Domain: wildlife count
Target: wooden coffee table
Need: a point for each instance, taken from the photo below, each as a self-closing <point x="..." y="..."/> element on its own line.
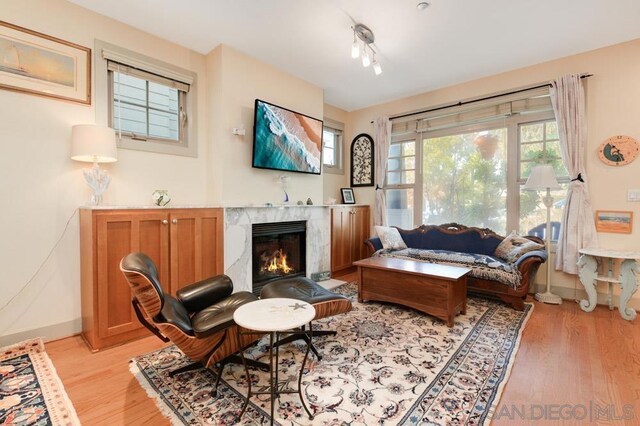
<point x="438" y="290"/>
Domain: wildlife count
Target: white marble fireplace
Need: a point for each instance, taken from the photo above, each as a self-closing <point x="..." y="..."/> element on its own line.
<point x="237" y="238"/>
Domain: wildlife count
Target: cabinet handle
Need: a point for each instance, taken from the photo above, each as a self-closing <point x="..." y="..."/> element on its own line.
<point x="174" y="221"/>
<point x="165" y="222"/>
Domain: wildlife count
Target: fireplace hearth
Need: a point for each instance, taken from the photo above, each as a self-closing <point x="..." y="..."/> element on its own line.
<point x="278" y="251"/>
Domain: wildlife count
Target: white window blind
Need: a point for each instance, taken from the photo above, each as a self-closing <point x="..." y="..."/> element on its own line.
<point x="146" y="105"/>
<point x="151" y="104"/>
<point x="135" y="72"/>
<point x="332" y="132"/>
<point x="528" y="102"/>
<point x="151" y="67"/>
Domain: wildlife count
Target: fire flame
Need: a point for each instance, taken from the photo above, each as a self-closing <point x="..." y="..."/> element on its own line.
<point x="279" y="263"/>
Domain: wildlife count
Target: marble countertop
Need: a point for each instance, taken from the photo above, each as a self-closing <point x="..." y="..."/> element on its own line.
<point x="149" y="206"/>
<point x="615" y="254"/>
<point x="210" y="206"/>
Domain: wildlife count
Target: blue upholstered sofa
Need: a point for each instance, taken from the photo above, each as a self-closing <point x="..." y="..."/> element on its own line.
<point x="473" y="248"/>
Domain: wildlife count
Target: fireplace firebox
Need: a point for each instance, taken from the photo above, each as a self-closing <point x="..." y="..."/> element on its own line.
<point x="278" y="251"/>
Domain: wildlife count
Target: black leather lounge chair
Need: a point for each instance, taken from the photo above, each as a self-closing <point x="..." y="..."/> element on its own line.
<point x="199" y="320"/>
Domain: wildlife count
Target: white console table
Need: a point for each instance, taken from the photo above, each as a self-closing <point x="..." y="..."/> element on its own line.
<point x="629" y="269"/>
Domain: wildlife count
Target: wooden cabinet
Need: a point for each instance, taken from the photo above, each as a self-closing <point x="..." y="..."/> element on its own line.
<point x="349" y="228"/>
<point x="185" y="244"/>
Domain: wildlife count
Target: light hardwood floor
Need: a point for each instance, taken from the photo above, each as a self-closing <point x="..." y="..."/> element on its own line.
<point x="566" y="356"/>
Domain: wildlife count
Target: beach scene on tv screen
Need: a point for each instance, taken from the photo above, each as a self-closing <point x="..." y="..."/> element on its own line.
<point x="286" y="140"/>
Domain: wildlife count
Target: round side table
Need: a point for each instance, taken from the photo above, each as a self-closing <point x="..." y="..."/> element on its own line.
<point x="275" y="317"/>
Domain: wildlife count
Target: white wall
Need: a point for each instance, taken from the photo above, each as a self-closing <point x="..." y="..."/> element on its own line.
<point x="239" y="80"/>
<point x="333" y="182"/>
<point x="612" y="109"/>
<point x="41" y="187"/>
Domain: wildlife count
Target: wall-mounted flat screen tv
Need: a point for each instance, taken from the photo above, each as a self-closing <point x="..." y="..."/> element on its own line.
<point x="286" y="140"/>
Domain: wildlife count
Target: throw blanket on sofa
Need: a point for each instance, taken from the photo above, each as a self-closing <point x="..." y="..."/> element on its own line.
<point x="482" y="266"/>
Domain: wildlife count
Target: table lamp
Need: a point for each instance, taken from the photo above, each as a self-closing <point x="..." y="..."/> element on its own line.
<point x="94" y="144"/>
<point x="541" y="178"/>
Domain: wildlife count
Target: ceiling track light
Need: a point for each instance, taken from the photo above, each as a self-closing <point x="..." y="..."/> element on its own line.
<point x="355" y="47"/>
<point x="366" y="58"/>
<point x="376" y="66"/>
<point x="365" y="34"/>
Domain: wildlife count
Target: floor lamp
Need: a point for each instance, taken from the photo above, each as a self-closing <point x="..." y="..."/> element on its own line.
<point x="541" y="178"/>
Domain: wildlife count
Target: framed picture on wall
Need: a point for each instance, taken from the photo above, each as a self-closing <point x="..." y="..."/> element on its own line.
<point x="362" y="158"/>
<point x="39" y="64"/>
<point x="619" y="222"/>
<point x="347" y="196"/>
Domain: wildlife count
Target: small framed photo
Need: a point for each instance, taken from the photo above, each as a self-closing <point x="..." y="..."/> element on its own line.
<point x="619" y="222"/>
<point x="43" y="65"/>
<point x="347" y="196"/>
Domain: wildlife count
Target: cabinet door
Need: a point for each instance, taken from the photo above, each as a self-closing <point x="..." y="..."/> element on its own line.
<point x="360" y="232"/>
<point x="341" y="255"/>
<point x="117" y="235"/>
<point x="196" y="245"/>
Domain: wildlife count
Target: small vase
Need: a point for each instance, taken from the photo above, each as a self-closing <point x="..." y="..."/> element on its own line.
<point x="96" y="199"/>
<point x="160" y="197"/>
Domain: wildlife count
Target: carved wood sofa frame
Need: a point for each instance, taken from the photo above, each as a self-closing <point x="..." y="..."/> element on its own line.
<point x="527" y="265"/>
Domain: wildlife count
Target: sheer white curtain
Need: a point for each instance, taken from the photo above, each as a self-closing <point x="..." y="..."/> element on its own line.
<point x="577" y="228"/>
<point x="382" y="127"/>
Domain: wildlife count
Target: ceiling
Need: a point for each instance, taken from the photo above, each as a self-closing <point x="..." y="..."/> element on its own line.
<point x="450" y="42"/>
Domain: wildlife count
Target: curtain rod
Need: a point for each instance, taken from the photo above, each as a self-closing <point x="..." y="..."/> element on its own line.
<point x="486" y="98"/>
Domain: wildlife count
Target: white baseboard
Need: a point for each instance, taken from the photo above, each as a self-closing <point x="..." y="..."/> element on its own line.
<point x="50" y="332"/>
<point x="571" y="294"/>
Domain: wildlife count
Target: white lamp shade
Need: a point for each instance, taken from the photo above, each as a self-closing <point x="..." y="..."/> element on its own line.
<point x="377" y="68"/>
<point x="541" y="177"/>
<point x="355" y="49"/>
<point x="366" y="59"/>
<point x="93" y="144"/>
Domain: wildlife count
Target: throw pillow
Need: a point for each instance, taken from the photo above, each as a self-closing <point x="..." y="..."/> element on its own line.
<point x="514" y="246"/>
<point x="390" y="238"/>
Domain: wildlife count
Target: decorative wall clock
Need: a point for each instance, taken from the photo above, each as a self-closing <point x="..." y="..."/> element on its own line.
<point x="362" y="160"/>
<point x="618" y="150"/>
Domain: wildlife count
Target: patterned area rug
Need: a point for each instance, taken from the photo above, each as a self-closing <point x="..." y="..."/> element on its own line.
<point x="31" y="392"/>
<point x="387" y="365"/>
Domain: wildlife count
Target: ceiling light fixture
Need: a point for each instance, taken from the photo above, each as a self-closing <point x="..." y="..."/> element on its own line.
<point x="366" y="59"/>
<point x="376" y="66"/>
<point x="367" y="53"/>
<point x="355" y="47"/>
<point x="422" y="5"/>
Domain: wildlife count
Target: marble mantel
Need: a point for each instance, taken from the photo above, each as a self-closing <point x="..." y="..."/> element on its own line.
<point x="237" y="238"/>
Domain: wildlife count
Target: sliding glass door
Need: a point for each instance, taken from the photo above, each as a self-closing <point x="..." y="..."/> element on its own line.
<point x="401" y="179"/>
<point x="473" y="175"/>
<point x="464" y="179"/>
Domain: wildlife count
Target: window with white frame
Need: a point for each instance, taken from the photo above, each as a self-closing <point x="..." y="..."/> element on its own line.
<point x="468" y="166"/>
<point x="539" y="143"/>
<point x="151" y="104"/>
<point x="401" y="177"/>
<point x="147" y="107"/>
<point x="332" y="146"/>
